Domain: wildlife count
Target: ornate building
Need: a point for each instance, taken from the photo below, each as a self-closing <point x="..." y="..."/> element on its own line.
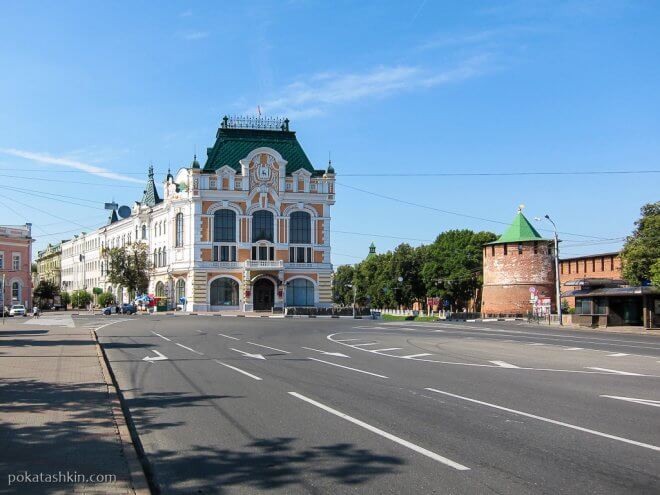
<point x="516" y="266"/>
<point x="49" y="264"/>
<point x="249" y="230"/>
<point x="15" y="257"/>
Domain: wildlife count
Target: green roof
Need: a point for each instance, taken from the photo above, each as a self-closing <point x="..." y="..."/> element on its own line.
<point x="519" y="231"/>
<point x="234" y="144"/>
<point x="150" y="197"/>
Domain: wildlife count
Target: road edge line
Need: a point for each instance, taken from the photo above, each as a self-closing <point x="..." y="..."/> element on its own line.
<point x="138" y="466"/>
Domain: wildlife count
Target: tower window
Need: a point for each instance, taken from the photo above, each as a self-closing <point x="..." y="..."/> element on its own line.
<point x="520" y="248"/>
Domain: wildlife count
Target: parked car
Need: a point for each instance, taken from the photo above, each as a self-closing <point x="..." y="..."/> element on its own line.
<point x="17" y="310"/>
<point x="111" y="310"/>
<point x="128" y="309"/>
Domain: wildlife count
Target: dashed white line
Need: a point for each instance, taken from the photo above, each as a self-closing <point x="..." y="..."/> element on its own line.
<point x="384" y="434"/>
<point x="347" y="367"/>
<point x="267" y="347"/>
<point x="573" y="348"/>
<point x="614" y="372"/>
<point x="618" y="354"/>
<point x="416" y="355"/>
<point x="548" y="420"/>
<point x="191" y="350"/>
<point x="228" y="336"/>
<point x="388" y="349"/>
<point x="254" y="377"/>
<point x="162" y="337"/>
<point x="535" y="343"/>
<point x="504" y="364"/>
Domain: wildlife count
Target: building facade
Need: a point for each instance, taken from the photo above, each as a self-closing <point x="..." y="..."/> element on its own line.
<point x="517" y="267"/>
<point x="15" y="258"/>
<point x="49" y="264"/>
<point x="572" y="271"/>
<point x="247" y="231"/>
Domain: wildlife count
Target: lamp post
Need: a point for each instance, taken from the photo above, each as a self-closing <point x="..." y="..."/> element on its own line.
<point x="354" y="287"/>
<point x="557" y="282"/>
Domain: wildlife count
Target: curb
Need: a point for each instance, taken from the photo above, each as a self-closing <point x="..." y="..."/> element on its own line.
<point x="128" y="437"/>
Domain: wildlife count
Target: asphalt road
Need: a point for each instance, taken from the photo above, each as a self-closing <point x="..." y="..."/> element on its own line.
<point x="244" y="405"/>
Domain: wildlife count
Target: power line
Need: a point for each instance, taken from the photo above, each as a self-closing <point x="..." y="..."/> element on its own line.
<point x="69" y="181"/>
<point x="46" y="195"/>
<point x="499" y="174"/>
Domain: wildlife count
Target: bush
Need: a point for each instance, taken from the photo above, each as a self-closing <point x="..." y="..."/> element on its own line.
<point x="106" y="299"/>
<point x="80" y="299"/>
<point x="65" y="299"/>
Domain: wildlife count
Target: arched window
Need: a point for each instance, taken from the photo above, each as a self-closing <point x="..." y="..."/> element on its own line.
<point x="16" y="291"/>
<point x="179" y="230"/>
<point x="160" y="289"/>
<point x="164" y="257"/>
<point x="155" y="258"/>
<point x="300" y="228"/>
<point x="224" y="292"/>
<point x="160" y="257"/>
<point x="144" y="232"/>
<point x="224" y="226"/>
<point x="262" y="226"/>
<point x="180" y="289"/>
<point x="136" y="234"/>
<point x="299" y="292"/>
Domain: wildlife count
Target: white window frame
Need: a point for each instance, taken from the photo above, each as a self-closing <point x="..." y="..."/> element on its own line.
<point x="14" y="258"/>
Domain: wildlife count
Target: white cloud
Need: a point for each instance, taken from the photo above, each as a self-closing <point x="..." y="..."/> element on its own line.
<point x="312" y="97"/>
<point x="194" y="35"/>
<point x="67" y="162"/>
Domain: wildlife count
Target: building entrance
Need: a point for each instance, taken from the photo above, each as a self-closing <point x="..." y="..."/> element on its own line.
<point x="264" y="294"/>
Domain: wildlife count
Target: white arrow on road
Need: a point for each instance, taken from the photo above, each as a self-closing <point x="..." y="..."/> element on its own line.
<point x="338" y="354"/>
<point x="247" y="354"/>
<point x="159" y="357"/>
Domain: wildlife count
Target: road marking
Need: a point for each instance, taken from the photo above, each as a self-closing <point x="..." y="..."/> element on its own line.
<point x="548" y="420"/>
<point x="573" y="348"/>
<point x="347" y="340"/>
<point x="338" y="354"/>
<point x="191" y="350"/>
<point x="646" y="402"/>
<point x="255" y="377"/>
<point x="169" y="340"/>
<point x="504" y="364"/>
<point x="439" y="331"/>
<point x="618" y="354"/>
<point x="159" y="357"/>
<point x="388" y="349"/>
<point x="228" y="336"/>
<point x="389" y="436"/>
<point x="368" y="343"/>
<point x="416" y="355"/>
<point x="535" y="343"/>
<point x="347" y="367"/>
<point x="615" y="372"/>
<point x="273" y="348"/>
<point x="247" y="354"/>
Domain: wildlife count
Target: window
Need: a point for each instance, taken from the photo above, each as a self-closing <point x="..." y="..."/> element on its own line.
<point x="144" y="232"/>
<point x="224" y="226"/>
<point x="160" y="289"/>
<point x="577" y="266"/>
<point x="593" y="265"/>
<point x="585" y="266"/>
<point x="263" y="253"/>
<point x="16" y="291"/>
<point x="179" y="230"/>
<point x="2" y="260"/>
<point x="612" y="263"/>
<point x="180" y="289"/>
<point x="536" y="247"/>
<point x="561" y="266"/>
<point x="299" y="292"/>
<point x="583" y="306"/>
<point x="224" y="253"/>
<point x="492" y="250"/>
<point x="164" y="257"/>
<point x="224" y="292"/>
<point x="520" y="248"/>
<point x="155" y="258"/>
<point x="602" y="264"/>
<point x="300" y="228"/>
<point x="16" y="261"/>
<point x="505" y="250"/>
<point x="262" y="226"/>
<point x="569" y="267"/>
<point x="300" y="254"/>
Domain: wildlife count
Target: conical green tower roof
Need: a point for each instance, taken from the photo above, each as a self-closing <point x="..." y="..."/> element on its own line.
<point x="519" y="231"/>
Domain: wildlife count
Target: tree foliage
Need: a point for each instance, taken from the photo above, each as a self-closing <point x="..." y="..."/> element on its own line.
<point x="341" y="285"/>
<point x="106" y="299"/>
<point x="65" y="298"/>
<point x="45" y="291"/>
<point x="641" y="253"/>
<point x="80" y="298"/>
<point x="129" y="267"/>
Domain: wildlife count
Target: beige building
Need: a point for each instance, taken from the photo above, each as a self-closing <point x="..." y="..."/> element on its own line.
<point x="49" y="264"/>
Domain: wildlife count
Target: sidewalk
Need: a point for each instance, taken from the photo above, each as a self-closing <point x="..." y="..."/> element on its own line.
<point x="56" y="414"/>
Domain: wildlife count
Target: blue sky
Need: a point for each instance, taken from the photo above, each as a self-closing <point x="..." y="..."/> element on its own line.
<point x="92" y="92"/>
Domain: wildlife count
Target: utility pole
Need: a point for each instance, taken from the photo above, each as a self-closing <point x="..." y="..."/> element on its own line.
<point x="557" y="282"/>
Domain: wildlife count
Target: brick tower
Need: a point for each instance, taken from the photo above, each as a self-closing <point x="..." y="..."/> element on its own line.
<point x="515" y="263"/>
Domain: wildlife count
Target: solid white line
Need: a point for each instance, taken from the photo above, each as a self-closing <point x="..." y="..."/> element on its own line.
<point x="368" y="343"/>
<point x="553" y="421"/>
<point x="618" y="354"/>
<point x="347" y="367"/>
<point x="616" y="372"/>
<point x="273" y="348"/>
<point x="388" y="349"/>
<point x="169" y="340"/>
<point x="573" y="348"/>
<point x="255" y="377"/>
<point x="191" y="350"/>
<point x="646" y="402"/>
<point x="389" y="436"/>
<point x="228" y="336"/>
<point x="347" y="340"/>
<point x="504" y="364"/>
<point x="415" y="355"/>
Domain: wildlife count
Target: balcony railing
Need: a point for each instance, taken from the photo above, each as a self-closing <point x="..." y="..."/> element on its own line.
<point x="221" y="264"/>
<point x="264" y="265"/>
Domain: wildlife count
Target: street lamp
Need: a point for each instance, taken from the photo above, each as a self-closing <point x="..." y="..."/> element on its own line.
<point x="354" y="287"/>
<point x="557" y="282"/>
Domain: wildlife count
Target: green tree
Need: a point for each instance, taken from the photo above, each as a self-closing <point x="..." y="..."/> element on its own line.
<point x="80" y="298"/>
<point x="129" y="267"/>
<point x="45" y="291"/>
<point x="453" y="264"/>
<point x="65" y="299"/>
<point x="106" y="299"/>
<point x="342" y="294"/>
<point x="641" y="253"/>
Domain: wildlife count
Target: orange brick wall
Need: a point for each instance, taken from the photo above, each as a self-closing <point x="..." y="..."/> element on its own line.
<point x="596" y="266"/>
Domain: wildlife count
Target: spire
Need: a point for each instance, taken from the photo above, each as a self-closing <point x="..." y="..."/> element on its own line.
<point x="151" y="197"/>
<point x="520" y="230"/>
<point x="113" y="217"/>
<point x="195" y="163"/>
<point x="331" y="169"/>
<point x="372" y="250"/>
<point x="169" y="175"/>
